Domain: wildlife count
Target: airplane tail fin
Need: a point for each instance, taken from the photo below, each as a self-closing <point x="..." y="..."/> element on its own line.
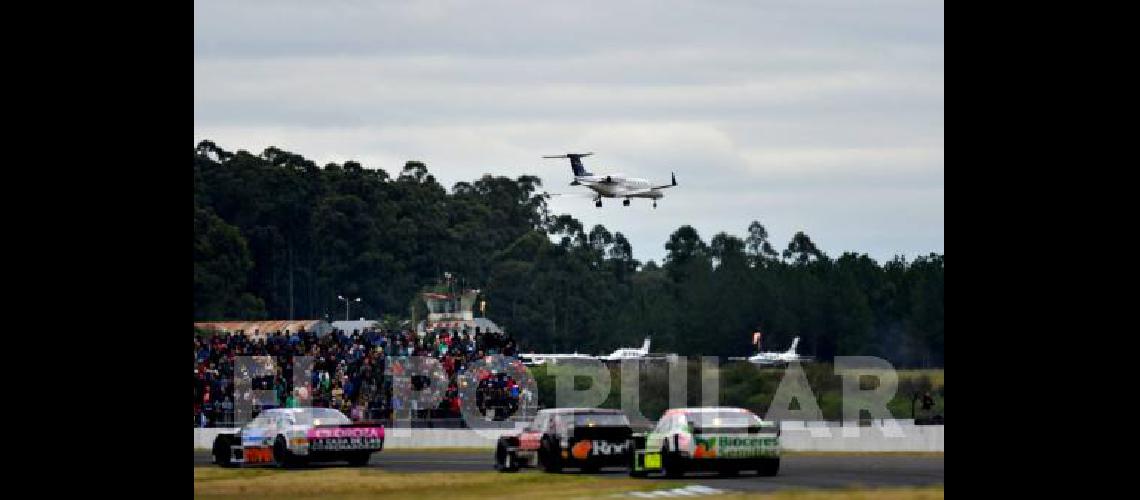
<point x="795" y="342"/>
<point x="645" y="346"/>
<point x="575" y="162"/>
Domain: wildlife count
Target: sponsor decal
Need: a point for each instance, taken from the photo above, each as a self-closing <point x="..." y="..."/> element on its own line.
<point x="652" y="460"/>
<point x="344" y="443"/>
<point x="583" y="449"/>
<point x="706" y="448"/>
<point x="734" y="446"/>
<point x="258" y="455"/>
<point x="256" y="441"/>
<point x="346" y="432"/>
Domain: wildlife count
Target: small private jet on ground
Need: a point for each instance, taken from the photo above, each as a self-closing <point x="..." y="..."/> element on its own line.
<point x="777" y="357"/>
<point x="618" y="355"/>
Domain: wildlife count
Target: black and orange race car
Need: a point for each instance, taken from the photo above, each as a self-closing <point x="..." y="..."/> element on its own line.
<point x="583" y="438"/>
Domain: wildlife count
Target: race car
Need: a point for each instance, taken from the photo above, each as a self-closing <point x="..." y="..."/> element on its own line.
<point x="295" y="436"/>
<point x="728" y="440"/>
<point x="583" y="438"/>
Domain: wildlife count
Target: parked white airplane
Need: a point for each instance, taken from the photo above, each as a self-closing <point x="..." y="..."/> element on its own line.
<point x="539" y="359"/>
<point x="613" y="185"/>
<point x="777" y="357"/>
<point x="628" y="353"/>
<point x="618" y="355"/>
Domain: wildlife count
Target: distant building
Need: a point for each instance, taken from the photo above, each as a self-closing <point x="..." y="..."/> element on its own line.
<point x="454" y="312"/>
<point x="261" y="329"/>
<point x="355" y="325"/>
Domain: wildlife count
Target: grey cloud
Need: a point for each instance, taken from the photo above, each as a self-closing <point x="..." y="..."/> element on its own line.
<point x="822" y="116"/>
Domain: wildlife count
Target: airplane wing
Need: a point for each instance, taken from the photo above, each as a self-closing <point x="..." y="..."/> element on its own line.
<point x="646" y="357"/>
<point x="573" y="195"/>
<point x="634" y="192"/>
<point x="766" y="361"/>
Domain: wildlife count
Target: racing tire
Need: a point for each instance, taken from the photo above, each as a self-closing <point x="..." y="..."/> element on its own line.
<point x="281" y="454"/>
<point x="671" y="464"/>
<point x="769" y="467"/>
<point x="359" y="459"/>
<point x="633" y="472"/>
<point x="729" y="472"/>
<point x="222" y="454"/>
<point x="550" y="460"/>
<point x="505" y="461"/>
<point x="590" y="469"/>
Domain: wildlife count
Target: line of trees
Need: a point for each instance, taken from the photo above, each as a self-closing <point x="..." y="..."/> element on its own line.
<point x="277" y="236"/>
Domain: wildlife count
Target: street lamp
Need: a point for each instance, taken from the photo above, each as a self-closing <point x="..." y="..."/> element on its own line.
<point x="346" y="303"/>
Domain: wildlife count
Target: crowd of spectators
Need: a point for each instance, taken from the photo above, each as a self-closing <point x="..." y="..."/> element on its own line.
<point x="348" y="373"/>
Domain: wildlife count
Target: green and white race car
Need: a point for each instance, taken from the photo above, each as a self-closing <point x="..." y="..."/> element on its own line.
<point x="728" y="440"/>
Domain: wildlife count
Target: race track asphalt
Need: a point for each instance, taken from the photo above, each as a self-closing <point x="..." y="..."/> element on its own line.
<point x="808" y="471"/>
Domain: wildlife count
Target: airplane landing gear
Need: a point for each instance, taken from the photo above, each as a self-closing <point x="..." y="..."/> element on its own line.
<point x="598" y="203"/>
<point x="625" y="202"/>
<point x="654" y="203"/>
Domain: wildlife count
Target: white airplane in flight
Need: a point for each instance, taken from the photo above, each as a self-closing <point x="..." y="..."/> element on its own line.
<point x="777" y="357"/>
<point x="613" y="185"/>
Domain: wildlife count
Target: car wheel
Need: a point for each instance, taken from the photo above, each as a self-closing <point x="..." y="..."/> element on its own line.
<point x="222" y="453"/>
<point x="671" y="464"/>
<point x="505" y="461"/>
<point x="359" y="459"/>
<point x="510" y="462"/>
<point x="633" y="472"/>
<point x="730" y="472"/>
<point x="549" y="458"/>
<point x="281" y="453"/>
<point x="769" y="467"/>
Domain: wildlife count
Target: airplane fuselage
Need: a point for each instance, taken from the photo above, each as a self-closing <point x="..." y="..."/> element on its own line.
<point x="776" y="358"/>
<point x="624" y="354"/>
<point x="619" y="186"/>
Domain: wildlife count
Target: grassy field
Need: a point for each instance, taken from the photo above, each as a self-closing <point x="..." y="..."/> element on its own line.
<point x="216" y="482"/>
<point x="930" y="493"/>
<point x="937" y="376"/>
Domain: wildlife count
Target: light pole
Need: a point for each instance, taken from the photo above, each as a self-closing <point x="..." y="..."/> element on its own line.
<point x="346" y="303"/>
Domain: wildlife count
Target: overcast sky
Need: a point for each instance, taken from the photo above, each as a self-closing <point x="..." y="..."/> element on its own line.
<point x="820" y="116"/>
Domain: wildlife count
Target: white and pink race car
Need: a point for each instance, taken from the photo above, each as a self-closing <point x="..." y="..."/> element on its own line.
<point x="296" y="436"/>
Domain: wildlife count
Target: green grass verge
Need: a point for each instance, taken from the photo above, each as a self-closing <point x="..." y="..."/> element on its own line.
<point x="216" y="482"/>
<point x="926" y="493"/>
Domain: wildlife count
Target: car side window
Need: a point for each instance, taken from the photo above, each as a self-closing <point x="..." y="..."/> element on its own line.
<point x="259" y="422"/>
